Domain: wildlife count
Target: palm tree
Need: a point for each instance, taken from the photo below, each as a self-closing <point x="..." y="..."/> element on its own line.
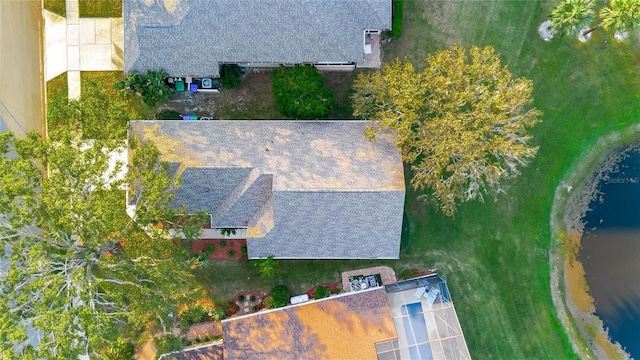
<point x="573" y="16"/>
<point x="267" y="267"/>
<point x="621" y="15"/>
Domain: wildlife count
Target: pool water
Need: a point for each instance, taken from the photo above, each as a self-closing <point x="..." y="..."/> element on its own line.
<point x="416" y="332"/>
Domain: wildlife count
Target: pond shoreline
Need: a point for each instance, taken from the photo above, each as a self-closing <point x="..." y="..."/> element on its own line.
<point x="569" y="289"/>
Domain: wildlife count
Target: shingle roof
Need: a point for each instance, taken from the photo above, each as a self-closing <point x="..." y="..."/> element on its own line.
<point x="305" y="189"/>
<point x="342" y="328"/>
<point x="191" y="37"/>
<point x="206" y="352"/>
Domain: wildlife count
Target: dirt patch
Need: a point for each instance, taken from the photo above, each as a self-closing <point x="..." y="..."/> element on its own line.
<point x="254" y="99"/>
<point x="575" y="276"/>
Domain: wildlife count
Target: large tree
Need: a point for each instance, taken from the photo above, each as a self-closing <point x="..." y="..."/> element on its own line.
<point x="81" y="270"/>
<point x="461" y="122"/>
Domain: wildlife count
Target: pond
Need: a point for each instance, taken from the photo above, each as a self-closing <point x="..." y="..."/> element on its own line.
<point x="610" y="251"/>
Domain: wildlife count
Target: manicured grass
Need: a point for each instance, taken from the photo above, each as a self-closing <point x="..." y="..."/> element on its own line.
<point x="492" y="253"/>
<point x="398" y="18"/>
<point x="56" y="6"/>
<point x="100" y="8"/>
<point x="57" y="92"/>
<point x="57" y="87"/>
<point x="108" y="79"/>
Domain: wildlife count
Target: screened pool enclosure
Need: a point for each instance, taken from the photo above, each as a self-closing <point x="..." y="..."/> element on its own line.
<point x="425" y="321"/>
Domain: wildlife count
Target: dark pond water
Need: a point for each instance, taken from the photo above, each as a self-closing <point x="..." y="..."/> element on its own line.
<point x="611" y="253"/>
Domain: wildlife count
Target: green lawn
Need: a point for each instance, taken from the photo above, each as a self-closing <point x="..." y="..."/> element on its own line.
<point x="108" y="79"/>
<point x="56" y="6"/>
<point x="492" y="253"/>
<point x="100" y="8"/>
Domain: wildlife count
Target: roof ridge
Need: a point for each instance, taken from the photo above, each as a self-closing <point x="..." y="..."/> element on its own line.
<point x="235" y="194"/>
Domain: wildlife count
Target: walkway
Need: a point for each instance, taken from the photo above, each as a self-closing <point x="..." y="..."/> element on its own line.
<point x="75" y="44"/>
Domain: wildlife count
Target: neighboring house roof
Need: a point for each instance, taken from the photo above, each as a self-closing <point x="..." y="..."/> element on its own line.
<point x="342" y="327"/>
<point x="190" y="37"/>
<point x="202" y="352"/>
<point x="304" y="189"/>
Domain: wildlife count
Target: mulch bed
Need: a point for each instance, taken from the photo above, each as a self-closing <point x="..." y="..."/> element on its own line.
<point x="222" y="252"/>
<point x="246" y="306"/>
<point x="332" y="287"/>
<point x="413" y="273"/>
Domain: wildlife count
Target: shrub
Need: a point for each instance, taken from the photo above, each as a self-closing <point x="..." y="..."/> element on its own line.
<point x="199" y="311"/>
<point x="151" y="86"/>
<point x="241" y="298"/>
<point x="201" y="256"/>
<point x="267" y="302"/>
<point x="211" y="249"/>
<point x="230" y="76"/>
<point x="398" y="18"/>
<point x="121" y="349"/>
<point x="252" y="298"/>
<point x="218" y="314"/>
<point x="321" y="292"/>
<point x="223" y="244"/>
<point x="243" y="250"/>
<point x="168" y="343"/>
<point x="232" y="308"/>
<point x="231" y="253"/>
<point x="227" y="231"/>
<point x="301" y="93"/>
<point x="168" y="115"/>
<point x="281" y="296"/>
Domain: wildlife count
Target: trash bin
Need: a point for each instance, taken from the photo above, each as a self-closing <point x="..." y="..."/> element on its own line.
<point x="180" y="86"/>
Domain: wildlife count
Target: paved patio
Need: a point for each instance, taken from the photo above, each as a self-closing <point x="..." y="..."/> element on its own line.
<point x="386" y="273"/>
<point x="372" y="53"/>
<point x="75" y="44"/>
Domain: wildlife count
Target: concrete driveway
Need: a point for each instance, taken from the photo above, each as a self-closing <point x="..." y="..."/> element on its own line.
<point x="21" y="67"/>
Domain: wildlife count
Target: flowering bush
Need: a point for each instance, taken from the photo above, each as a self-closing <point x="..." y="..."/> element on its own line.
<point x="200" y="311"/>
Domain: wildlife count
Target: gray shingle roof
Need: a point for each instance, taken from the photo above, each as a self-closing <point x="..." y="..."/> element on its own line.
<point x="193" y="36"/>
<point x="314" y="189"/>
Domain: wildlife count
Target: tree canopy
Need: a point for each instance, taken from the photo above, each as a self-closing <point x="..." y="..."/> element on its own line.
<point x="575" y="16"/>
<point x="81" y="270"/>
<point x="461" y="122"/>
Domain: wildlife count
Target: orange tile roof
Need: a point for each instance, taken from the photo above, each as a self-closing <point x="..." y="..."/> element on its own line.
<point x="343" y="327"/>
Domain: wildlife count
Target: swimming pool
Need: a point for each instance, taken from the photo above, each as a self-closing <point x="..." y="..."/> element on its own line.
<point x="415" y="329"/>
